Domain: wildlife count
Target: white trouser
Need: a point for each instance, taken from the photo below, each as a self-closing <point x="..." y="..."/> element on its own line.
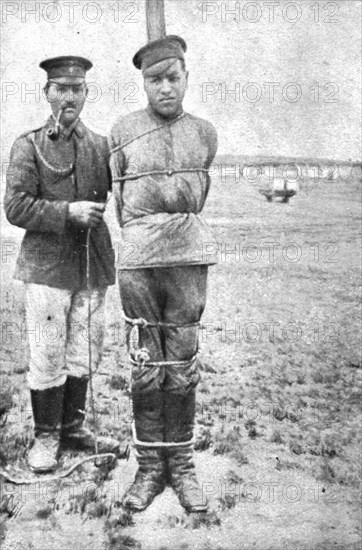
<point x="57" y="326"/>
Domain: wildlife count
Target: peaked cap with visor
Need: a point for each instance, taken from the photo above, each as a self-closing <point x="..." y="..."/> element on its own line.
<point x="66" y="69"/>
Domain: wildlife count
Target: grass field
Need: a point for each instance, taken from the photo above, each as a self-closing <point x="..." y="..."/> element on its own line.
<point x="279" y="404"/>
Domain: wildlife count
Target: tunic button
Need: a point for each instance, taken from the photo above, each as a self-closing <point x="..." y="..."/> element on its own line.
<point x="170" y="172"/>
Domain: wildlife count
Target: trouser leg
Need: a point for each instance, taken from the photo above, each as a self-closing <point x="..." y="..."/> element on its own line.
<point x="47" y="311"/>
<point x="185" y="288"/>
<point x="79" y="336"/>
<point x="141" y="298"/>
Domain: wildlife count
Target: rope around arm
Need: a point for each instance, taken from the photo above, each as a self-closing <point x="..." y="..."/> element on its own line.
<point x="122" y="146"/>
<point x="153" y="172"/>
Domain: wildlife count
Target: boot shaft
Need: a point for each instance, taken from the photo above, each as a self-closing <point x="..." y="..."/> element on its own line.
<point x="75" y="395"/>
<point x="47" y="406"/>
<point x="148" y="416"/>
<point x="75" y="436"/>
<point x="164" y="417"/>
<point x="179" y="412"/>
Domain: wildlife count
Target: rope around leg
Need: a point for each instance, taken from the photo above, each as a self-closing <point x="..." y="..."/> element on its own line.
<point x="159" y="444"/>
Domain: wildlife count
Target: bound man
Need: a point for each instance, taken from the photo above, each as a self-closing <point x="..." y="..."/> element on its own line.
<point x="160" y="160"/>
<point x="57" y="185"/>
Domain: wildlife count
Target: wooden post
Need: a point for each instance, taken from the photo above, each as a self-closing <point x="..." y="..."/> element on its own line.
<point x="155" y="17"/>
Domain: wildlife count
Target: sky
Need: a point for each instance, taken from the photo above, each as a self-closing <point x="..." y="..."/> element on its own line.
<point x="275" y="78"/>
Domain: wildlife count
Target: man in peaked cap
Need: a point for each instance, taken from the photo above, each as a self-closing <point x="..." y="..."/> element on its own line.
<point x="160" y="160"/>
<point x="57" y="185"/>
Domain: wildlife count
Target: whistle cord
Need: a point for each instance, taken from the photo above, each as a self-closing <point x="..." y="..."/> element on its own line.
<point x="89" y="318"/>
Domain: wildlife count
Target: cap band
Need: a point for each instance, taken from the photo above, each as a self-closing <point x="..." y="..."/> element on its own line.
<point x="70" y="68"/>
<point x="73" y="71"/>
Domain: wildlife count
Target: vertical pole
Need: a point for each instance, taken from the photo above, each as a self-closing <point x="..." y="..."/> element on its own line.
<point x="155" y="17"/>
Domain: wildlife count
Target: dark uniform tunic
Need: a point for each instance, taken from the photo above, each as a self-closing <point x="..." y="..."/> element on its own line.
<point x="44" y="176"/>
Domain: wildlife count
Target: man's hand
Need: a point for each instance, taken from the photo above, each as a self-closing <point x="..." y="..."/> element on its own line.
<point x="86" y="213"/>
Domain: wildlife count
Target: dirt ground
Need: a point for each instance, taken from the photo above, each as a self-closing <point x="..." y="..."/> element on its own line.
<point x="279" y="405"/>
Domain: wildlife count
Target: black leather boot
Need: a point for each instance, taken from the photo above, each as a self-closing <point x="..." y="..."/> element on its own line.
<point x="74" y="434"/>
<point x="150" y="478"/>
<point x="47" y="408"/>
<point x="179" y="422"/>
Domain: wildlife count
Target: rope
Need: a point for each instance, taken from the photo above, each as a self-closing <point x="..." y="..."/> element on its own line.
<point x="159" y="173"/>
<point x="28" y="481"/>
<point x="122" y="146"/>
<point x="132" y="177"/>
<point x="160" y="443"/>
<point x="161" y="364"/>
<point x="141" y="322"/>
<point x="89" y="317"/>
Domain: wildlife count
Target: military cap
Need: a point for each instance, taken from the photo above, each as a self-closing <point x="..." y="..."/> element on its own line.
<point x="158" y="55"/>
<point x="66" y="69"/>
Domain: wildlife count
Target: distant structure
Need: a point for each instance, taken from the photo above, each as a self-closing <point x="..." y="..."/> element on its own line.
<point x="279" y="192"/>
<point x="281" y="178"/>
